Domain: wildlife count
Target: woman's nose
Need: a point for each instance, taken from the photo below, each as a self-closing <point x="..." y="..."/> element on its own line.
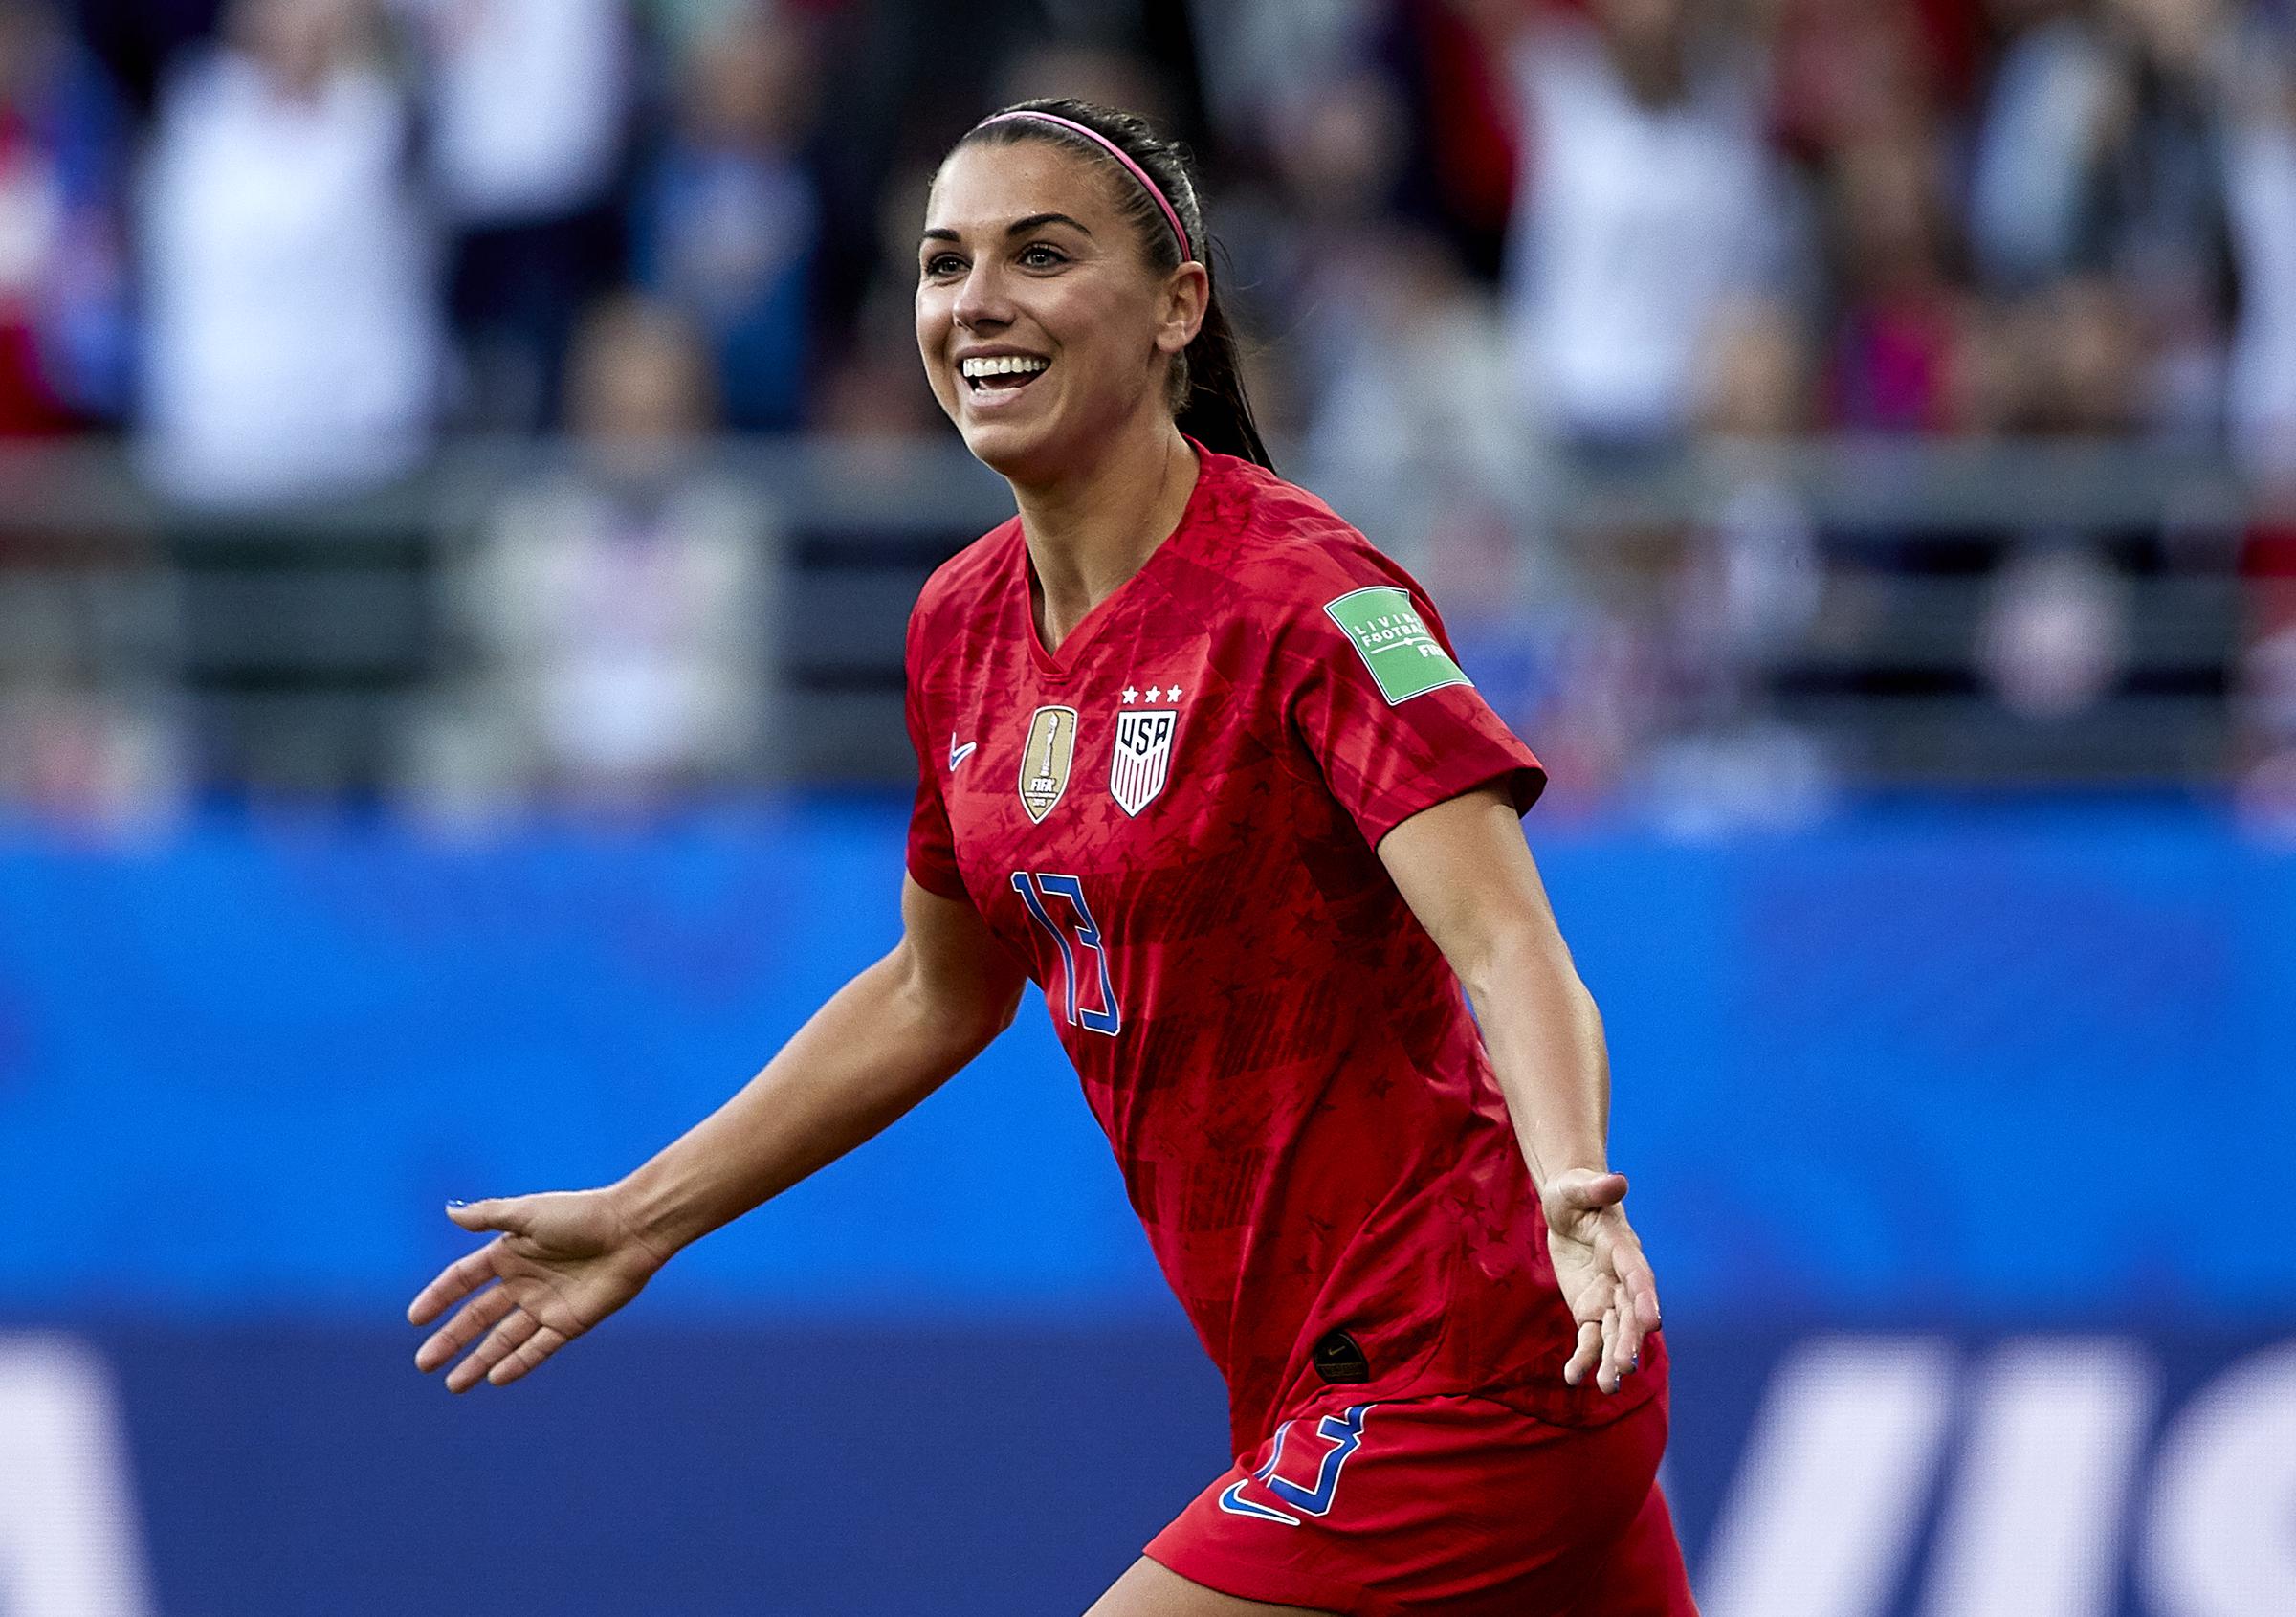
<point x="981" y="301"/>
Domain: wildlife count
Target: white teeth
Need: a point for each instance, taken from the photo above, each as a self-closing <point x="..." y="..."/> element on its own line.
<point x="1003" y="365"/>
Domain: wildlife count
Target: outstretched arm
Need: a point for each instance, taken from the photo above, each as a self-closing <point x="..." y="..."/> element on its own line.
<point x="886" y="1040"/>
<point x="1464" y="869"/>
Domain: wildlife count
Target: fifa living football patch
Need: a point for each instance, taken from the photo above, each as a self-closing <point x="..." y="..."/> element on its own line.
<point x="1393" y="639"/>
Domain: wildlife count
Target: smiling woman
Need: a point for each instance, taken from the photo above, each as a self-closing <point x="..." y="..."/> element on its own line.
<point x="1197" y="760"/>
<point x="1059" y="231"/>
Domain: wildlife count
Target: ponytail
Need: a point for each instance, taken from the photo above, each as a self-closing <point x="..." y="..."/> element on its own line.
<point x="1209" y="377"/>
<point x="1207" y="395"/>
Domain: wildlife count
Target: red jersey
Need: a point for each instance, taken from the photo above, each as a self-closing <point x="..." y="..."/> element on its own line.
<point x="1171" y="822"/>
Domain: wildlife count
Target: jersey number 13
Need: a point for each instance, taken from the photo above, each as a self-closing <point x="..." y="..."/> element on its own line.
<point x="1074" y="931"/>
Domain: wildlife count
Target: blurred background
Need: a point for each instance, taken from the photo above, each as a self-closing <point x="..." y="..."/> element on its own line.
<point x="464" y="468"/>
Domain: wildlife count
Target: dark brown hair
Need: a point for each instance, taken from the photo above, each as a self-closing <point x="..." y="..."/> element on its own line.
<point x="1207" y="384"/>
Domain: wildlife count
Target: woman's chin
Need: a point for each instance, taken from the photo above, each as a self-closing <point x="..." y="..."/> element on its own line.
<point x="1019" y="450"/>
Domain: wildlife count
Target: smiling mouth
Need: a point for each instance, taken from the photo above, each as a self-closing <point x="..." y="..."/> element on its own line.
<point x="1004" y="375"/>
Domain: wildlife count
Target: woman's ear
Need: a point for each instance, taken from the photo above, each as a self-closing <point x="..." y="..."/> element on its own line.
<point x="1187" y="295"/>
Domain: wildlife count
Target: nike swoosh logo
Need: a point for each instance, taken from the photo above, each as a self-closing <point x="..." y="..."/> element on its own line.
<point x="958" y="754"/>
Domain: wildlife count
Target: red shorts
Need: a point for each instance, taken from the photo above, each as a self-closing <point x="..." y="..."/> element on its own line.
<point x="1453" y="1505"/>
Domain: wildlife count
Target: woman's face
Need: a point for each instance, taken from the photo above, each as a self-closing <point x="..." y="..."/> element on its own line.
<point x="1027" y="271"/>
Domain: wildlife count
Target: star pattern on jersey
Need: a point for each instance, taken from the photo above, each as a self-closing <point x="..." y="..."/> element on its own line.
<point x="1156" y="694"/>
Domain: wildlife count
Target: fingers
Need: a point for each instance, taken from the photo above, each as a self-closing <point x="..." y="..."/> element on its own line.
<point x="504" y="1339"/>
<point x="1632" y="1315"/>
<point x="528" y="1356"/>
<point x="508" y="1213"/>
<point x="1642" y="1287"/>
<point x="1587" y="1355"/>
<point x="1622" y="1344"/>
<point x="481" y="1314"/>
<point x="459" y="1278"/>
<point x="1590" y="1191"/>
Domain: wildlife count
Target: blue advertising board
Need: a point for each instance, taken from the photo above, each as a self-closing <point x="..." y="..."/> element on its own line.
<point x="1913" y="1063"/>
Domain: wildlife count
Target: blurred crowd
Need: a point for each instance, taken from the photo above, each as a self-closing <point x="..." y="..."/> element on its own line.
<point x="286" y="242"/>
<point x="286" y="248"/>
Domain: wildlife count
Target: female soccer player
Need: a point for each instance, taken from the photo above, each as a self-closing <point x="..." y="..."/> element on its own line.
<point x="1196" y="757"/>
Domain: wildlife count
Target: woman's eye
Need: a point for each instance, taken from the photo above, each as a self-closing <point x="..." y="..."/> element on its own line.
<point x="1037" y="255"/>
<point x="943" y="263"/>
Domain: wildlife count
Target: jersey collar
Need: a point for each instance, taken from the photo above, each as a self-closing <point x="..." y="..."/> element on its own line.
<point x="1074" y="648"/>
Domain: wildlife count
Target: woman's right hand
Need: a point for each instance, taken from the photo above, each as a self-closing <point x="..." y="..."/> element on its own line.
<point x="560" y="1263"/>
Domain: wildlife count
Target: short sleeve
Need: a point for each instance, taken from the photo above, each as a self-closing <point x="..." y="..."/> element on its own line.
<point x="1377" y="697"/>
<point x="931" y="844"/>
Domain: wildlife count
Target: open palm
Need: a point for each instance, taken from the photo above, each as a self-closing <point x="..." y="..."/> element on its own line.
<point x="560" y="1262"/>
<point x="1599" y="1264"/>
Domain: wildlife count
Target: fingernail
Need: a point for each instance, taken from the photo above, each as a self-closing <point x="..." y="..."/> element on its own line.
<point x="457" y="1203"/>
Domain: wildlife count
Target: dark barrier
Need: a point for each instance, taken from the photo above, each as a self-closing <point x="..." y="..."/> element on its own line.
<point x="284" y="1472"/>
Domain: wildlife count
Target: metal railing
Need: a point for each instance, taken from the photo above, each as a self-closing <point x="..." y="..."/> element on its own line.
<point x="297" y="648"/>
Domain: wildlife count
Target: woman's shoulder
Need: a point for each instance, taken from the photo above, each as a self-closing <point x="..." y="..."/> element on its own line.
<point x="968" y="578"/>
<point x="1286" y="551"/>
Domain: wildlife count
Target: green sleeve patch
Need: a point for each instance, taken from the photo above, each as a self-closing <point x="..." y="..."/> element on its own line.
<point x="1394" y="645"/>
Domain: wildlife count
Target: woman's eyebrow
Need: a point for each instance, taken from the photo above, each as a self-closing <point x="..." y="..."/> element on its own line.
<point x="1019" y="226"/>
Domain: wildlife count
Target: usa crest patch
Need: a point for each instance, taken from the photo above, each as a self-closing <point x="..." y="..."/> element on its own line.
<point x="1142" y="759"/>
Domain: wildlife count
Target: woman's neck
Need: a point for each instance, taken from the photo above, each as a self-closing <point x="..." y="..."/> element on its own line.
<point x="1097" y="526"/>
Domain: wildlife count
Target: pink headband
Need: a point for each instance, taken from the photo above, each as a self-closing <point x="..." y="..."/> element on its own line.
<point x="1116" y="151"/>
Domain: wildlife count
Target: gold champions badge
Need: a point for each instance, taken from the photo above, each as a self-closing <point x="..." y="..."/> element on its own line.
<point x="1045" y="759"/>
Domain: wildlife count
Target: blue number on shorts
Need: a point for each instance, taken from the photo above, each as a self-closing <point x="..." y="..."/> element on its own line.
<point x="1344" y="1432"/>
<point x="1032" y="890"/>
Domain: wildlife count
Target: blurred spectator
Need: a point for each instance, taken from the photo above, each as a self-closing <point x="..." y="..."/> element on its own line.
<point x="1752" y="588"/>
<point x="2262" y="396"/>
<point x="1743" y="603"/>
<point x="1846" y="71"/>
<point x="2087" y="363"/>
<point x="1315" y="253"/>
<point x="877" y="393"/>
<point x="1455" y="59"/>
<point x="727" y="217"/>
<point x="62" y="261"/>
<point x="292" y="343"/>
<point x="2148" y="142"/>
<point x="139" y="41"/>
<point x="529" y="105"/>
<point x="2039" y="123"/>
<point x="1417" y="396"/>
<point x="875" y="389"/>
<point x="1255" y="55"/>
<point x="1650" y="203"/>
<point x="619" y="612"/>
<point x="1893" y="354"/>
<point x="1087" y="72"/>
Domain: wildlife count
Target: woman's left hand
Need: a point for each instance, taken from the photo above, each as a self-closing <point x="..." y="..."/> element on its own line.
<point x="1605" y="1277"/>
